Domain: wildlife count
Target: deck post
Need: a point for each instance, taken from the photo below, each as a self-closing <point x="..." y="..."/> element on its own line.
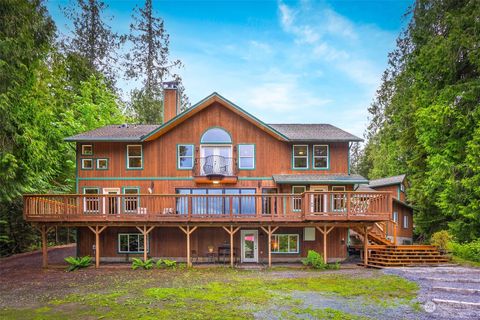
<point x="231" y="232"/>
<point x="394" y="233"/>
<point x="44" y="232"/>
<point x="365" y="246"/>
<point x="144" y="231"/>
<point x="269" y="233"/>
<point x="325" y="231"/>
<point x="188" y="232"/>
<point x="97" y="232"/>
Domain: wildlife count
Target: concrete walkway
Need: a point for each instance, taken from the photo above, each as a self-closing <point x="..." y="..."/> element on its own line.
<point x="449" y="292"/>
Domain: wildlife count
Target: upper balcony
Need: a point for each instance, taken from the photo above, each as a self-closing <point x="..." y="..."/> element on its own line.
<point x="189" y="208"/>
<point x="215" y="168"/>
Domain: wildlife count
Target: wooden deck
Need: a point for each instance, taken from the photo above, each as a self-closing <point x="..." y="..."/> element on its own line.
<point x="188" y="208"/>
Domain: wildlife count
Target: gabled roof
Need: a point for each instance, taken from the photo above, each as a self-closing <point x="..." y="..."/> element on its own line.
<point x="386" y="181"/>
<point x="284" y="132"/>
<point x="131" y="132"/>
<point x="314" y="132"/>
<point x="319" y="178"/>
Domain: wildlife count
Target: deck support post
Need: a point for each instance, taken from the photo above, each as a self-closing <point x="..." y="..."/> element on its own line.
<point x="97" y="232"/>
<point x="188" y="232"/>
<point x="44" y="230"/>
<point x="395" y="233"/>
<point x="231" y="232"/>
<point x="365" y="246"/>
<point x="144" y="231"/>
<point x="325" y="231"/>
<point x="269" y="231"/>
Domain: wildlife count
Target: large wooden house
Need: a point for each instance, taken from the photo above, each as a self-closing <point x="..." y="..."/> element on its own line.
<point x="213" y="183"/>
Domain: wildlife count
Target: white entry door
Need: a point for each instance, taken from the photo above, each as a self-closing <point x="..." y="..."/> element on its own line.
<point x="318" y="203"/>
<point x="249" y="245"/>
<point x="111" y="205"/>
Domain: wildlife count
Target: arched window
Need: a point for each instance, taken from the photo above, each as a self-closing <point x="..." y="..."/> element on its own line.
<point x="216" y="135"/>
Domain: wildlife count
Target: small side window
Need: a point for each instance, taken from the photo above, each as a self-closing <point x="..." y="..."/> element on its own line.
<point x="87" y="164"/>
<point x="102" y="164"/>
<point x="87" y="150"/>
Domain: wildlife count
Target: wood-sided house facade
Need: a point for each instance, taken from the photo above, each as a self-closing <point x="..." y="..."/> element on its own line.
<point x="210" y="181"/>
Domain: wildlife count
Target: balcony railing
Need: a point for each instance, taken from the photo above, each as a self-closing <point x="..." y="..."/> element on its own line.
<point x="214" y="165"/>
<point x="309" y="206"/>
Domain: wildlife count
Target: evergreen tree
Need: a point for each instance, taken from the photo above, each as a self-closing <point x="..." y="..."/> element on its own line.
<point x="92" y="38"/>
<point x="149" y="60"/>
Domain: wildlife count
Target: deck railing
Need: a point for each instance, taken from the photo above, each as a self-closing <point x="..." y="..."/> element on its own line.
<point x="187" y="207"/>
<point x="214" y="165"/>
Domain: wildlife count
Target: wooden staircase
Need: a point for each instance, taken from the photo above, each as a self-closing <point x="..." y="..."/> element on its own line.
<point x="406" y="255"/>
<point x="376" y="235"/>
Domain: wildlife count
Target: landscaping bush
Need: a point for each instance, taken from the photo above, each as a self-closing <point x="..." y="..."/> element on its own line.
<point x="78" y="263"/>
<point x="468" y="251"/>
<point x="315" y="260"/>
<point x="441" y="239"/>
<point x="139" y="263"/>
<point x="165" y="263"/>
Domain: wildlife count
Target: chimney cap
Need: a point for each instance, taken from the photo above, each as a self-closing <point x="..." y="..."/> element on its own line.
<point x="170" y="85"/>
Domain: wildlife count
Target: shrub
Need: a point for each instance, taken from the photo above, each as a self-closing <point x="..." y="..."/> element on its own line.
<point x="441" y="239"/>
<point x="165" y="263"/>
<point x="315" y="260"/>
<point x="468" y="251"/>
<point x="76" y="263"/>
<point x="139" y="263"/>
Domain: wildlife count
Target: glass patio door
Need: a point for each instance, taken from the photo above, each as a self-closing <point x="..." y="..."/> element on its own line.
<point x="249" y="245"/>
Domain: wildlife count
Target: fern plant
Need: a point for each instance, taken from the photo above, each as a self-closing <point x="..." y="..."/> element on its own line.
<point x="165" y="263"/>
<point x="144" y="264"/>
<point x="76" y="263"/>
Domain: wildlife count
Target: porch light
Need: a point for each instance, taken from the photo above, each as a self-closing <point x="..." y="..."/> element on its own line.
<point x="215" y="178"/>
<point x="215" y="181"/>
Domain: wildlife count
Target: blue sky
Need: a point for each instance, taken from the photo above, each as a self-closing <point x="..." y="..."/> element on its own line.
<point x="282" y="61"/>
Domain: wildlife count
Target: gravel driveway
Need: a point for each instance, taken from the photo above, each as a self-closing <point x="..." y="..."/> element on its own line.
<point x="445" y="292"/>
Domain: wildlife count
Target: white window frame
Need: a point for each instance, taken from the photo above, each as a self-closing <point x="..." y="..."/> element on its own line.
<point x="395" y="216"/>
<point x="321" y="157"/>
<point x="402" y="187"/>
<point x="130" y="157"/>
<point x="132" y="234"/>
<point x="100" y="159"/>
<point x="85" y="200"/>
<point x="247" y="157"/>
<point x="406" y="221"/>
<point x="294" y="156"/>
<point x="179" y="156"/>
<point x="275" y="237"/>
<point x="131" y="195"/>
<point x="83" y="149"/>
<point x="83" y="164"/>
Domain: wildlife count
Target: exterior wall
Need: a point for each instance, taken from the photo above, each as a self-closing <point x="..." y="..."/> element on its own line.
<point x="395" y="190"/>
<point x="170" y="242"/>
<point x="160" y="155"/>
<point x="403" y="234"/>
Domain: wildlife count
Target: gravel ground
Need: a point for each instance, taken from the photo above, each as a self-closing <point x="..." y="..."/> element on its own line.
<point x="445" y="283"/>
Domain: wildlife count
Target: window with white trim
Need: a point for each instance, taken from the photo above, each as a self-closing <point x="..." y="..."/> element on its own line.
<point x="185" y="156"/>
<point x="285" y="243"/>
<point x="87" y="150"/>
<point x="395" y="216"/>
<point x="300" y="157"/>
<point x="87" y="164"/>
<point x="405" y="222"/>
<point x="246" y="156"/>
<point x="91" y="202"/>
<point x="131" y="199"/>
<point x="131" y="243"/>
<point x="297" y="200"/>
<point x="320" y="156"/>
<point x="102" y="164"/>
<point x="134" y="157"/>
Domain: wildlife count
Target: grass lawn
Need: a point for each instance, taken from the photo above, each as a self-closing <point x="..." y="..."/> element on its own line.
<point x="217" y="293"/>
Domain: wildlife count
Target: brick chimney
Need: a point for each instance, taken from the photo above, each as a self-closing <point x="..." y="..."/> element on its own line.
<point x="171" y="100"/>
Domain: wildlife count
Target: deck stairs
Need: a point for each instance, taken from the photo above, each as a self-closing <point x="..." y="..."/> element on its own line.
<point x="405" y="255"/>
<point x="376" y="235"/>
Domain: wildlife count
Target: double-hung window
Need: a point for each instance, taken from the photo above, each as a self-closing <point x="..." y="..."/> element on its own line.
<point x="131" y="243"/>
<point x="285" y="243"/>
<point x="300" y="157"/>
<point x="246" y="156"/>
<point x="134" y="157"/>
<point x="320" y="157"/>
<point x="185" y="156"/>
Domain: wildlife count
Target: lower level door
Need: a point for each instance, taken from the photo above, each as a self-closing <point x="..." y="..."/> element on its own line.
<point x="111" y="205"/>
<point x="249" y="245"/>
